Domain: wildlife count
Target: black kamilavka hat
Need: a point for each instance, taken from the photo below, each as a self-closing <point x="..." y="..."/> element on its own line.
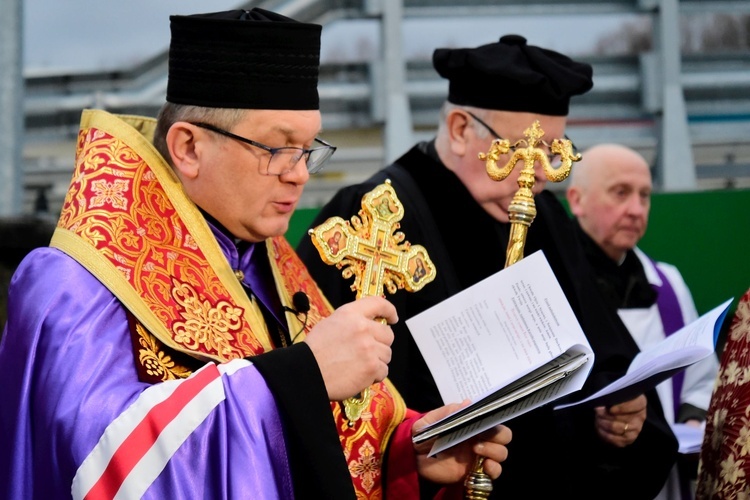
<point x="510" y="75"/>
<point x="243" y="59"/>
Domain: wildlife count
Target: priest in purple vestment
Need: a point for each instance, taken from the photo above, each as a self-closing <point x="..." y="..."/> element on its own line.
<point x="151" y="350"/>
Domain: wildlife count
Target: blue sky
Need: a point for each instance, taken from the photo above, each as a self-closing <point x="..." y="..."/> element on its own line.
<point x="88" y="35"/>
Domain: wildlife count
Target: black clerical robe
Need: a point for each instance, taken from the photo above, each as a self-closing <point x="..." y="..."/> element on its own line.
<point x="553" y="454"/>
<point x="625" y="286"/>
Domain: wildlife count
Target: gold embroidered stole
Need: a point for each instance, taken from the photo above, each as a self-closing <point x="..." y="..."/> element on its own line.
<point x="128" y="221"/>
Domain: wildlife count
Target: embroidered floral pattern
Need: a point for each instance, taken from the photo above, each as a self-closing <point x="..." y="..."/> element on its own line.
<point x="364" y="442"/>
<point x="725" y="455"/>
<point x="366" y="467"/>
<point x="214" y="327"/>
<point x="109" y="192"/>
<point x="155" y="361"/>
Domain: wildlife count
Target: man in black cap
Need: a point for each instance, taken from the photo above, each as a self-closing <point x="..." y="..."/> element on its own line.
<point x="169" y="342"/>
<point x="460" y="216"/>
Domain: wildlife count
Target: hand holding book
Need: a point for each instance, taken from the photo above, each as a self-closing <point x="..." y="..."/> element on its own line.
<point x="510" y="343"/>
<point x="690" y="344"/>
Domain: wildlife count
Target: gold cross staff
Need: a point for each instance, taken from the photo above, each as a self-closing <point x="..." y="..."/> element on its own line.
<point x="521" y="213"/>
<point x="522" y="210"/>
<point x="371" y="249"/>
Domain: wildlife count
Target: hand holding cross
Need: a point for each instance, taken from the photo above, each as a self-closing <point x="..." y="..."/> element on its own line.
<point x="371" y="249"/>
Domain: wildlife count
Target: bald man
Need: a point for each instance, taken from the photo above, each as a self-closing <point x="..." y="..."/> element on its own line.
<point x="610" y="196"/>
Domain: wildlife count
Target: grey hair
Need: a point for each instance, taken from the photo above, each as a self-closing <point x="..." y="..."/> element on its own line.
<point x="448" y="106"/>
<point x="172" y="113"/>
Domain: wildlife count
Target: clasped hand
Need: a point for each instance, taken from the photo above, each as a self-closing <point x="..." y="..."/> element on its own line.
<point x="351" y="348"/>
<point x="620" y="425"/>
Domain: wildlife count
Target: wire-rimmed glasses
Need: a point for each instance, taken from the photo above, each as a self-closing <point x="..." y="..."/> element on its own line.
<point x="282" y="160"/>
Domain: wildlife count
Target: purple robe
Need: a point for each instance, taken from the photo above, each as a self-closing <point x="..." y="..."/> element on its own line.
<point x="68" y="378"/>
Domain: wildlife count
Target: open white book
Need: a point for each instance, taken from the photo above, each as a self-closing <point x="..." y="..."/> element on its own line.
<point x="510" y="343"/>
<point x="688" y="345"/>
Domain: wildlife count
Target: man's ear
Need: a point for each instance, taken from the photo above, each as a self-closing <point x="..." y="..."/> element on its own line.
<point x="574" y="200"/>
<point x="457" y="123"/>
<point x="182" y="142"/>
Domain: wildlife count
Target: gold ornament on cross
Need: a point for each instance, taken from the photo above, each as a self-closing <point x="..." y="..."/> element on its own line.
<point x="372" y="249"/>
<point x="522" y="209"/>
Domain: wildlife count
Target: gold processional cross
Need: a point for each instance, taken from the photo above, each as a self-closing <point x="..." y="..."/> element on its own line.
<point x="522" y="210"/>
<point x="521" y="213"/>
<point x="371" y="249"/>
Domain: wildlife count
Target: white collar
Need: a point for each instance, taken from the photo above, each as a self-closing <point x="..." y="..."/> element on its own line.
<point x="648" y="267"/>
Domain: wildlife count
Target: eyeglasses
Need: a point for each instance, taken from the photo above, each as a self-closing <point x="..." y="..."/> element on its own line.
<point x="282" y="160"/>
<point x="552" y="157"/>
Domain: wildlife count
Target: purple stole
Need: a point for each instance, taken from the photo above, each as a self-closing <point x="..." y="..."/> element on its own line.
<point x="671" y="319"/>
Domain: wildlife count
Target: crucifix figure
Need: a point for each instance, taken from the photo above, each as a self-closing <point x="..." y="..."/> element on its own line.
<point x="370" y="248"/>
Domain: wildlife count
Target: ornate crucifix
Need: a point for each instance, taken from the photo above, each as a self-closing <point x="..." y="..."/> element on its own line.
<point x="371" y="249"/>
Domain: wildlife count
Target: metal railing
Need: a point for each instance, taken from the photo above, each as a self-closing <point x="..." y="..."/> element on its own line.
<point x="626" y="104"/>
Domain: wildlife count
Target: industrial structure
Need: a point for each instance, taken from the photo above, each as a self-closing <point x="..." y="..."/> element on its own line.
<point x="689" y="115"/>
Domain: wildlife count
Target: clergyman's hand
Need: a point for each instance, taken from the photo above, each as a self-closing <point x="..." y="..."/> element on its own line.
<point x="452" y="465"/>
<point x="620" y="425"/>
<point x="351" y="348"/>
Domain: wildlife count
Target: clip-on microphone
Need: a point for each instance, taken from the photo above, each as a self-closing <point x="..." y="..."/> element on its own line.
<point x="301" y="304"/>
